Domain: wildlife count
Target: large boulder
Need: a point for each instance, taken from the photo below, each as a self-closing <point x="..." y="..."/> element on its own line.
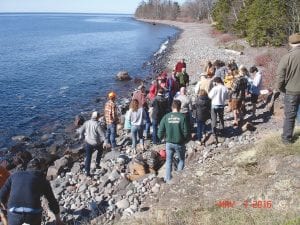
<point x="123" y="76"/>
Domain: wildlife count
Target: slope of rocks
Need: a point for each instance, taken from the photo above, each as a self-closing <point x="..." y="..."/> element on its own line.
<point x="232" y="169"/>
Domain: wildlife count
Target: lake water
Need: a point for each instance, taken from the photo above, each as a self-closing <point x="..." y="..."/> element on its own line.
<point x="54" y="66"/>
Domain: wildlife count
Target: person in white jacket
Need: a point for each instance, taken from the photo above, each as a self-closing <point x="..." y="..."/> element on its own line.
<point x="218" y="95"/>
<point x="137" y="118"/>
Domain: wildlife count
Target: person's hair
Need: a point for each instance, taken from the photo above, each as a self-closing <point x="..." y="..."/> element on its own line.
<point x="218" y="80"/>
<point x="218" y="63"/>
<point x="202" y="92"/>
<point x="253" y="69"/>
<point x="160" y="91"/>
<point x="176" y="104"/>
<point x="34" y="164"/>
<point x="134" y="105"/>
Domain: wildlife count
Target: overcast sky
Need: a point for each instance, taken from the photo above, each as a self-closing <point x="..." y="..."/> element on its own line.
<point x="98" y="6"/>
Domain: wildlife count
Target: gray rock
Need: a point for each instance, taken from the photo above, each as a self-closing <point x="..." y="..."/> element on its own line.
<point x="52" y="172"/>
<point x="114" y="175"/>
<point x="82" y="188"/>
<point x="112" y="155"/>
<point x="156" y="188"/>
<point x="75" y="168"/>
<point x="123" y="204"/>
<point x="46" y="137"/>
<point x="123" y="184"/>
<point x="20" y="138"/>
<point x="57" y="191"/>
<point x="123" y="76"/>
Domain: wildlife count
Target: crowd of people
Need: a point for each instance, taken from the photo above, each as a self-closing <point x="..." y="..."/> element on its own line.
<point x="173" y="116"/>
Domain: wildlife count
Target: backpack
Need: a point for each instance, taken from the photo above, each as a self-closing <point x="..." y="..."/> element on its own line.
<point x="240" y="84"/>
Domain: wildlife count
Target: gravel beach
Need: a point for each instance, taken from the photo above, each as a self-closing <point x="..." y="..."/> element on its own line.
<point x="197" y="46"/>
<point x="110" y="195"/>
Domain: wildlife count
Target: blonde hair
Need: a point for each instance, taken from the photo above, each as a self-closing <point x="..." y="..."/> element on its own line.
<point x="202" y="92"/>
<point x="134" y="105"/>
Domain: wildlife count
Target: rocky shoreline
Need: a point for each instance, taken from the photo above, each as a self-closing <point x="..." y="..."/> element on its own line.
<point x="109" y="196"/>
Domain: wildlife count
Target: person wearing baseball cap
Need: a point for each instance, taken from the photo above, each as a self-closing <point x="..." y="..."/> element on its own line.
<point x="111" y="119"/>
<point x="288" y="82"/>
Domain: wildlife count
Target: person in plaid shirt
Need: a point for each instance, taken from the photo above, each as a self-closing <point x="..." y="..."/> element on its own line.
<point x="111" y="119"/>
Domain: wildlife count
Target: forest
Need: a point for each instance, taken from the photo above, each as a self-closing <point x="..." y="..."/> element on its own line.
<point x="261" y="22"/>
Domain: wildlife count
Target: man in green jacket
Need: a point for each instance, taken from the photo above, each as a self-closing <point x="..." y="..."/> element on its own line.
<point x="288" y="82"/>
<point x="174" y="127"/>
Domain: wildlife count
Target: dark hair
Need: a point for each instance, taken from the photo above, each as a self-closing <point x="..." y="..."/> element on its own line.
<point x="176" y="104"/>
<point x="160" y="90"/>
<point x="253" y="69"/>
<point x="34" y="164"/>
<point x="218" y="80"/>
<point x="134" y="105"/>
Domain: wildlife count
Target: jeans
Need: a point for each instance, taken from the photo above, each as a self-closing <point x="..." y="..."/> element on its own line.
<point x="200" y="129"/>
<point x="217" y="111"/>
<point x="148" y="124"/>
<point x="291" y="107"/>
<point x="137" y="133"/>
<point x="89" y="149"/>
<point x="111" y="134"/>
<point x="170" y="150"/>
<point x="20" y="218"/>
<point x="154" y="133"/>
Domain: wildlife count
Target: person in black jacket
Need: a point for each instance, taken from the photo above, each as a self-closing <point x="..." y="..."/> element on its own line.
<point x="23" y="190"/>
<point x="160" y="108"/>
<point x="202" y="106"/>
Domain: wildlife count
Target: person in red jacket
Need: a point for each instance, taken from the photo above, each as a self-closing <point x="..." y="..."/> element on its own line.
<point x="181" y="64"/>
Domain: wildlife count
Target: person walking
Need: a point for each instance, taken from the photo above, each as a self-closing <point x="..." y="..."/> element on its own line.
<point x="288" y="82"/>
<point x="94" y="136"/>
<point x="221" y="69"/>
<point x="137" y="118"/>
<point x="238" y="94"/>
<point x="186" y="105"/>
<point x="22" y="192"/>
<point x="141" y="96"/>
<point x="218" y="95"/>
<point x="172" y="87"/>
<point x="181" y="64"/>
<point x="160" y="108"/>
<point x="255" y="85"/>
<point x="111" y="119"/>
<point x="174" y="128"/>
<point x="202" y="108"/>
<point x="183" y="78"/>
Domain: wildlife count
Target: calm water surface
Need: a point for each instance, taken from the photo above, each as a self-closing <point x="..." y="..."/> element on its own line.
<point x="54" y="66"/>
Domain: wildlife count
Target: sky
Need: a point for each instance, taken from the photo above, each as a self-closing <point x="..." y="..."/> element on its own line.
<point x="84" y="6"/>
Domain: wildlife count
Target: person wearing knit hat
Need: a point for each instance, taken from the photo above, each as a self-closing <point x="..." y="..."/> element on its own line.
<point x="288" y="82"/>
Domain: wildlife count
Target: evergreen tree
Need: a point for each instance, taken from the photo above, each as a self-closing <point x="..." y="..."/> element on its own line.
<point x="266" y="22"/>
<point x="220" y="14"/>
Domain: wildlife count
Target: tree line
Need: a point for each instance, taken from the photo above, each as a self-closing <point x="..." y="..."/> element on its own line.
<point x="261" y="22"/>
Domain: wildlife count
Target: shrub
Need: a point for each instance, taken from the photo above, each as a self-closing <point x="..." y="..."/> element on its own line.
<point x="225" y="38"/>
<point x="263" y="60"/>
<point x="215" y="33"/>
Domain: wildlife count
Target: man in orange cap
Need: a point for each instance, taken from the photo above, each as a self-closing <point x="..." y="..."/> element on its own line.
<point x="111" y="119"/>
<point x="288" y="82"/>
